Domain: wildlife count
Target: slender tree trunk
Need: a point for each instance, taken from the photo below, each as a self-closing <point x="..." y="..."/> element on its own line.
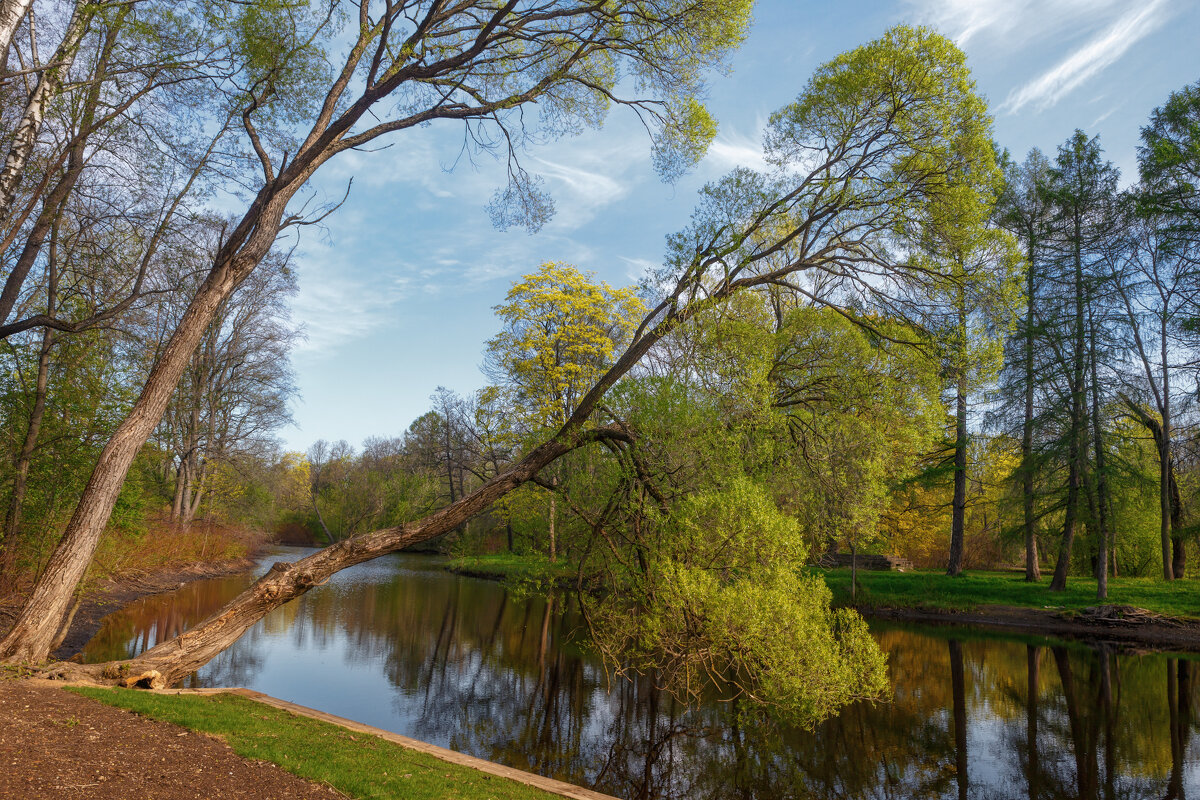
<point x="1169" y="499"/>
<point x="959" y="515"/>
<point x="1103" y="501"/>
<point x="196" y="490"/>
<point x="180" y="483"/>
<point x="1076" y="450"/>
<point x="47" y="88"/>
<point x="1033" y="571"/>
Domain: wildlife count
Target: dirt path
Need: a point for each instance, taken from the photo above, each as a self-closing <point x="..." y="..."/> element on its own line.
<point x="55" y="744"/>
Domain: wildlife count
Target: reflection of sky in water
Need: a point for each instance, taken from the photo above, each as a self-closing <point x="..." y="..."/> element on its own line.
<point x="458" y="662"/>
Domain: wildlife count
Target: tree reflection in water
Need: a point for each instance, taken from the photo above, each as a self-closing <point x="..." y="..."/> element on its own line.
<point x="465" y="664"/>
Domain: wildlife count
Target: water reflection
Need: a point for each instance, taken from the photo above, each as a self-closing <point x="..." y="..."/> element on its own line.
<point x="461" y="663"/>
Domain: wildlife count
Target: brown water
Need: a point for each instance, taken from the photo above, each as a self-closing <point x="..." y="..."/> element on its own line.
<point x="460" y="662"/>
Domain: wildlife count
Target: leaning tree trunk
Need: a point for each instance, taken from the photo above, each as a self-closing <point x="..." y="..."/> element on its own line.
<point x="175" y="659"/>
<point x="33" y="632"/>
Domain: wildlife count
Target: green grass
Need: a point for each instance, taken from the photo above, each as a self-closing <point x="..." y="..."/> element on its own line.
<point x="934" y="589"/>
<point x="360" y="765"/>
<point x="512" y="567"/>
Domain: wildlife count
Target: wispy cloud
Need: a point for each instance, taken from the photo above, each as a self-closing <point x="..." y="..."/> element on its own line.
<point x="731" y="150"/>
<point x="335" y="307"/>
<point x="964" y="19"/>
<point x="1026" y="20"/>
<point x="1095" y="55"/>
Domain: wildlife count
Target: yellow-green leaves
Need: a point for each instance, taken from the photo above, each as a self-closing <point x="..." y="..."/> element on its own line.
<point x="907" y="105"/>
<point x="561" y="331"/>
<point x="731" y="611"/>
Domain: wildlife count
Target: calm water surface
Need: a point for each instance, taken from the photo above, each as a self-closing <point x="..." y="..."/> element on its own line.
<point x="460" y="662"/>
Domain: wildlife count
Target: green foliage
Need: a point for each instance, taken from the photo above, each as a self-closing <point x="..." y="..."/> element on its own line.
<point x="278" y="46"/>
<point x="561" y="330"/>
<point x="975" y="589"/>
<point x="1169" y="158"/>
<point x="721" y="600"/>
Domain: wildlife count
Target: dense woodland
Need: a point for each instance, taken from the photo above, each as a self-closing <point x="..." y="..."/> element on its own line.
<point x="900" y="338"/>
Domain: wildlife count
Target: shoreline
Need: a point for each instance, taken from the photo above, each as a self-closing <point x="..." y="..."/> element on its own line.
<point x="117" y="593"/>
<point x="1157" y="631"/>
<point x="1164" y="633"/>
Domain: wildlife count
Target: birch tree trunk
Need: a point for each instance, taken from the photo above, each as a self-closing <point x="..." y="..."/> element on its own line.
<point x="47" y="88"/>
<point x="11" y="12"/>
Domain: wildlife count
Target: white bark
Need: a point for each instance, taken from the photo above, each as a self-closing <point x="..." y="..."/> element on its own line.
<point x="48" y="85"/>
<point x="11" y="12"/>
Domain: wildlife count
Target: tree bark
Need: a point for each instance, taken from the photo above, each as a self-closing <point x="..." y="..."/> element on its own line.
<point x="1103" y="502"/>
<point x="11" y="12"/>
<point x="958" y="522"/>
<point x="1033" y="570"/>
<point x="33" y="631"/>
<point x="1076" y="450"/>
<point x="47" y="88"/>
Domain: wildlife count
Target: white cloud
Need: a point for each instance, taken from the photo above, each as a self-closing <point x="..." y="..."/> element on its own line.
<point x="735" y="150"/>
<point x="638" y="268"/>
<point x="967" y="20"/>
<point x="335" y="307"/>
<point x="586" y="187"/>
<point x="1095" y="55"/>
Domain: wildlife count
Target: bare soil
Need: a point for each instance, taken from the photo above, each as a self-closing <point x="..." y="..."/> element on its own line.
<point x="55" y="744"/>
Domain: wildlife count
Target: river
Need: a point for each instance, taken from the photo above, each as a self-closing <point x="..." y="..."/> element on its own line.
<point x="460" y="662"/>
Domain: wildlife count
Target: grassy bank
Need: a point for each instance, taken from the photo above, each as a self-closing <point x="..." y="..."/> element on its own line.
<point x="932" y="589"/>
<point x="362" y="766"/>
<point x="534" y="568"/>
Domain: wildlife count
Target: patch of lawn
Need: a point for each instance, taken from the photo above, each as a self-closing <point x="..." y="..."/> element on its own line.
<point x="358" y="764"/>
<point x="512" y="567"/>
<point x="935" y="589"/>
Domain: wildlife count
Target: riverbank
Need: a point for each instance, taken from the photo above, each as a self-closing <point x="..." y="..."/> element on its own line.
<point x="1139" y="612"/>
<point x="116" y="593"/>
<point x="168" y="559"/>
<point x="84" y="743"/>
<point x="536" y="570"/>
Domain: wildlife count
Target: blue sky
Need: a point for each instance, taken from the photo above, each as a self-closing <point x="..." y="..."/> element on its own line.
<point x="396" y="293"/>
